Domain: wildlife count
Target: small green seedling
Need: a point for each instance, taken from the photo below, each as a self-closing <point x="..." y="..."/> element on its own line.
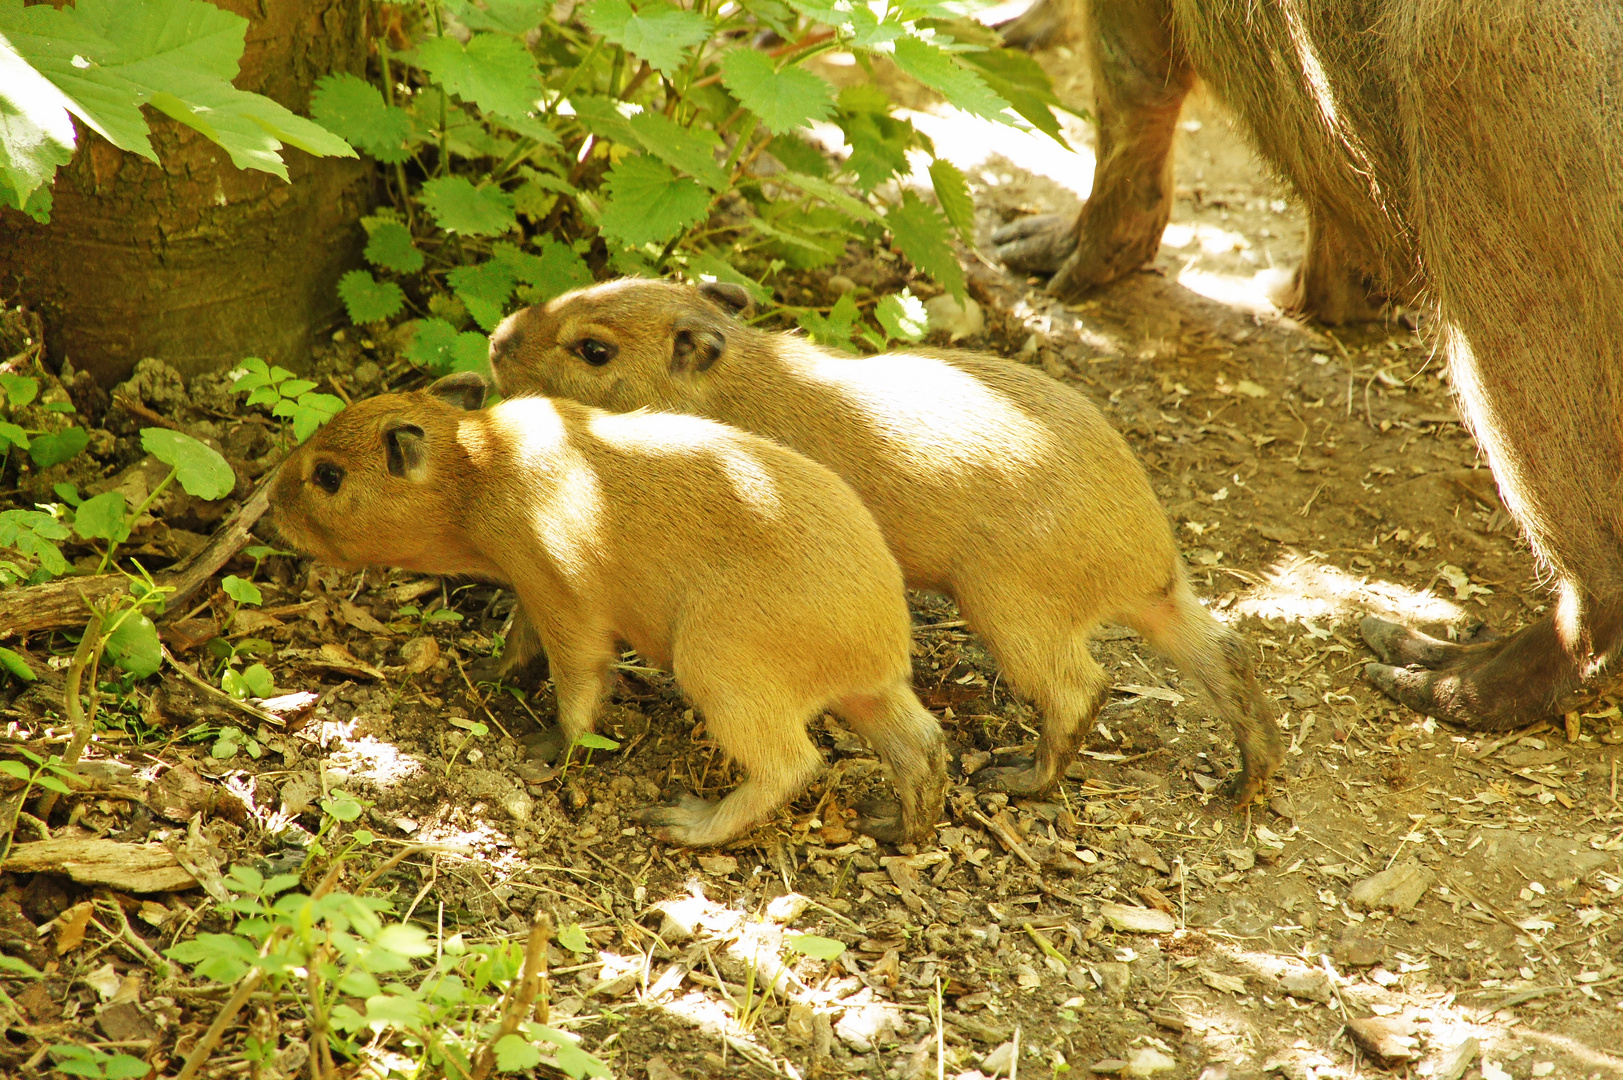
<point x="45" y="773"/>
<point x="88" y="1061"/>
<point x="231" y="740"/>
<point x="818" y="948"/>
<point x="474" y="729"/>
<point x="290" y="398"/>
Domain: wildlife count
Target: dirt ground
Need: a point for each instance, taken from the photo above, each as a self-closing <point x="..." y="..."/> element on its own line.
<point x="1131" y="924"/>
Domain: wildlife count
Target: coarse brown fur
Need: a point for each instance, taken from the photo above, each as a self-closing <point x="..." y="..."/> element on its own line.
<point x="990" y="481"/>
<point x="1465" y="152"/>
<point x="753" y="575"/>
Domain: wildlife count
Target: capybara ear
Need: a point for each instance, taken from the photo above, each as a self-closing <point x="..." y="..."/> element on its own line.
<point x="408" y="456"/>
<point x="734" y="298"/>
<point x="695" y="345"/>
<point x="464" y="389"/>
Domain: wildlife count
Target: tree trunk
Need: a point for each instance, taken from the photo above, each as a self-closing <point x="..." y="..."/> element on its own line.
<point x="199" y="263"/>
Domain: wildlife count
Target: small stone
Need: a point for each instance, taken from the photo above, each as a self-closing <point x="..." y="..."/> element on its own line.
<point x="998" y="1061"/>
<point x="1307" y="984"/>
<point x="420" y="654"/>
<point x="787" y="908"/>
<point x="1397" y="890"/>
<point x="1135" y="920"/>
<point x="1106" y="1066"/>
<point x="1358" y="950"/>
<point x="800" y="1025"/>
<point x="1147" y="1061"/>
<point x="1241" y="858"/>
<point x="957" y="320"/>
<point x="718" y="865"/>
<point x="1387" y="1037"/>
<point x="1453" y="1064"/>
<point x="839" y="283"/>
<point x="1114" y="978"/>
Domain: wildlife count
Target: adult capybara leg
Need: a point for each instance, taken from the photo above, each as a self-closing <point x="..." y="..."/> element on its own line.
<point x="1224" y="666"/>
<point x="1327" y="284"/>
<point x="909" y="742"/>
<point x="522" y="660"/>
<point x="1141" y="78"/>
<point x="768" y="739"/>
<point x="1528" y="272"/>
<point x="1051" y="665"/>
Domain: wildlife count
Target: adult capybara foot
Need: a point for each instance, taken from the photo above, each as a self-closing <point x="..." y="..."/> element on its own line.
<point x="686" y="820"/>
<point x="1491" y="685"/>
<point x="1039" y="244"/>
<point x="883" y="820"/>
<point x="1021" y="778"/>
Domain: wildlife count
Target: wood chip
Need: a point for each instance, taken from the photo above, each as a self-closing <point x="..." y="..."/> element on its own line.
<point x="1137" y="920"/>
<point x="136" y="868"/>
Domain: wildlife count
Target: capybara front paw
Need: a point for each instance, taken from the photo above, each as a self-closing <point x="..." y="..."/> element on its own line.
<point x="1242" y="787"/>
<point x="682" y="821"/>
<point x="883" y="820"/>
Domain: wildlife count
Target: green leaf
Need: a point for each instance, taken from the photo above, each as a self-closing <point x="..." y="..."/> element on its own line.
<point x="903" y="316"/>
<point x="396" y="1010"/>
<point x="517" y="17"/>
<point x="355" y="109"/>
<point x="102" y="518"/>
<point x="952" y="192"/>
<point x="484" y="289"/>
<point x="692" y="151"/>
<point x="593" y="741"/>
<point x="704" y="265"/>
<point x="573" y="938"/>
<point x="659" y="33"/>
<point x="257" y="678"/>
<point x="20" y="390"/>
<point x="241" y="590"/>
<point x="57" y="447"/>
<point x="879" y="147"/>
<point x="578" y="1063"/>
<point x="253" y="373"/>
<point x="16" y="769"/>
<point x="514" y="1053"/>
<point x="16" y="665"/>
<point x="19" y="967"/>
<point x="830" y="193"/>
<point x="102" y="60"/>
<point x="648" y="203"/>
<point x="51" y="783"/>
<point x="36" y="132"/>
<point x="12" y="435"/>
<point x="818" y="948"/>
<point x="125" y="1067"/>
<point x="390" y="246"/>
<point x="940" y="71"/>
<point x="459" y="207"/>
<point x="1017" y="76"/>
<point x="834" y="330"/>
<point x="201" y="471"/>
<point x="557" y="270"/>
<point x="309" y="412"/>
<point x="68" y="493"/>
<point x="493" y="71"/>
<point x="439" y="348"/>
<point x="921" y="233"/>
<point x="32" y="532"/>
<point x="342" y="806"/>
<point x="368" y="299"/>
<point x="134" y="646"/>
<point x="359" y="984"/>
<point x="784" y="100"/>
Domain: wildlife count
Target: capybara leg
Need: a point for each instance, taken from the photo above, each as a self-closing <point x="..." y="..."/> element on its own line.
<point x="1329" y="284"/>
<point x="1497" y="685"/>
<point x="1222" y="663"/>
<point x="580" y="679"/>
<point x="1141" y="78"/>
<point x="1045" y="23"/>
<point x="523" y="660"/>
<point x="909" y="742"/>
<point x="1056" y="670"/>
<point x="778" y="760"/>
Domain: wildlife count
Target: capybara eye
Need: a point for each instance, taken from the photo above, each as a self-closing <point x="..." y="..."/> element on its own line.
<point x="329" y="477"/>
<point x="595" y="352"/>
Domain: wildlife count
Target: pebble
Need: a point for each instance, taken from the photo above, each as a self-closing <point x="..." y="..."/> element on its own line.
<point x="1148" y="1061"/>
<point x="1397" y="890"/>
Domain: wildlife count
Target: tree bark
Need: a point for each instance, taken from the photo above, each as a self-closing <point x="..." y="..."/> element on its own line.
<point x="199" y="263"/>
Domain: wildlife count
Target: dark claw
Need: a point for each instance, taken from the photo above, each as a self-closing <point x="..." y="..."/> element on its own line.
<point x="882" y="820"/>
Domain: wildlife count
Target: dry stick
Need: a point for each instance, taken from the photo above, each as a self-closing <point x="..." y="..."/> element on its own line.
<point x="57" y="605"/>
<point x="1006" y="837"/>
<point x="250" y="982"/>
<point x="224" y="698"/>
<point x="520" y="996"/>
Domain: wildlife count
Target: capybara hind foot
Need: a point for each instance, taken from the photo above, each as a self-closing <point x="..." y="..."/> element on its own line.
<point x="1045" y="23"/>
<point x="687" y="821"/>
<point x="1493" y="685"/>
<point x="1021" y="778"/>
<point x="882" y="819"/>
<point x="1038" y="244"/>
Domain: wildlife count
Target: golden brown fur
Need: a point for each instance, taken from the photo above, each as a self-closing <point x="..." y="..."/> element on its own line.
<point x="990" y="482"/>
<point x="752" y="574"/>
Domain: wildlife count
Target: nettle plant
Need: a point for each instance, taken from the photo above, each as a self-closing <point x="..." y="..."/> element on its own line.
<point x="531" y="146"/>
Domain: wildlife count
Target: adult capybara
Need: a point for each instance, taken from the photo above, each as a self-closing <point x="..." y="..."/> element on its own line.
<point x="991" y="482"/>
<point x="1466" y="154"/>
<point x="755" y="576"/>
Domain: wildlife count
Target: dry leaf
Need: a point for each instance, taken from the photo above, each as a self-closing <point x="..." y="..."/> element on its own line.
<point x="70" y="927"/>
<point x="361" y="619"/>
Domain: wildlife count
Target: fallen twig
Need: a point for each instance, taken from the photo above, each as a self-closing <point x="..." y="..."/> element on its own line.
<point x="521" y="995"/>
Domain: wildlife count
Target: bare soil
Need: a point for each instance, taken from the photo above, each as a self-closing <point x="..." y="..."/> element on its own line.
<point x="1313" y="475"/>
